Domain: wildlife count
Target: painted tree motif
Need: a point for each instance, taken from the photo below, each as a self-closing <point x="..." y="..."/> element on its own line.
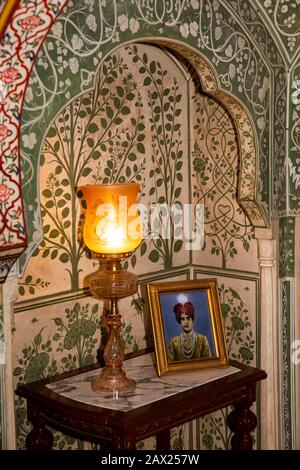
<point x="96" y="129"/>
<point x="36" y="363"/>
<point x="239" y="335"/>
<point x="30" y="285"/>
<point x="164" y="103"/>
<point x="214" y="159"/>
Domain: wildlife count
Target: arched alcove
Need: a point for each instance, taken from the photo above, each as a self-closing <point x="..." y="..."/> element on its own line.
<point x="248" y="179"/>
<point x="233" y="69"/>
<point x="192" y="35"/>
<point x="246" y="132"/>
<point x="136" y="81"/>
<point x="138" y="89"/>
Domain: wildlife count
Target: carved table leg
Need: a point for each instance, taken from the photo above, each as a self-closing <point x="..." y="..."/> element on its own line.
<point x="163" y="440"/>
<point x="122" y="442"/>
<point x="39" y="438"/>
<point x="242" y="421"/>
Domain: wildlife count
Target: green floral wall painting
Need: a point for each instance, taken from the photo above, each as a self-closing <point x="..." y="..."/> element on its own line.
<point x="102" y="137"/>
<point x="238" y="329"/>
<point x="109" y="101"/>
<point x="257" y="37"/>
<point x="214" y="171"/>
<point x="211" y="432"/>
<point x="72" y="345"/>
<point x="165" y="103"/>
<point x="146" y="120"/>
<point x="294" y="143"/>
<point x="96" y="138"/>
<point x="72" y="340"/>
<point x="69" y="63"/>
<point x="143" y="118"/>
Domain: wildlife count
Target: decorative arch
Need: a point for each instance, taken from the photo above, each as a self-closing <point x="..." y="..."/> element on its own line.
<point x="246" y="132"/>
<point x="26" y="33"/>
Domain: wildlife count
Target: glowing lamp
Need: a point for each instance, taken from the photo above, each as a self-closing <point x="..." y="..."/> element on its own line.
<point x="112" y="231"/>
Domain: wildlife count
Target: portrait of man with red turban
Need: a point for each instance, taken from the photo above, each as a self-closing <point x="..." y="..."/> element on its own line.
<point x="189" y="344"/>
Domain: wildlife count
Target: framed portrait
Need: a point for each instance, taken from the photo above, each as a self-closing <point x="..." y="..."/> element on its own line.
<point x="187" y="325"/>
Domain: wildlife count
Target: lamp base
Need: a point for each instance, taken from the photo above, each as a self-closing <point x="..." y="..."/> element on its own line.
<point x="112" y="282"/>
<point x="113" y="380"/>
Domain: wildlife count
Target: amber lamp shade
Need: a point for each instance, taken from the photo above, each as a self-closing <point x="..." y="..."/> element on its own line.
<point x="112" y="231"/>
<point x="112" y="223"/>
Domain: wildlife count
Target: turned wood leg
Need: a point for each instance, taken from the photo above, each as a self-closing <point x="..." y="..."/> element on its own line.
<point x="163" y="440"/>
<point x="242" y="421"/>
<point x="121" y="442"/>
<point x="39" y="438"/>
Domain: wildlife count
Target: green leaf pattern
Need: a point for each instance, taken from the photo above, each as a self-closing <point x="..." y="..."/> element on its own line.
<point x="212" y="431"/>
<point x="215" y="162"/>
<point x="74" y="344"/>
<point x="102" y="136"/>
<point x="165" y="107"/>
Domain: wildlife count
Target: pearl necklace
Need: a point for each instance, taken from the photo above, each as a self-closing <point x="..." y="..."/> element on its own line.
<point x="188" y="342"/>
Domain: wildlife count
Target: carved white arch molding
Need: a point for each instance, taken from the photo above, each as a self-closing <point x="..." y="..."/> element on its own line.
<point x="246" y="133"/>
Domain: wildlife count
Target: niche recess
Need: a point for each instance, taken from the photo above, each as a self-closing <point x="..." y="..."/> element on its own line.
<point x="145" y="120"/>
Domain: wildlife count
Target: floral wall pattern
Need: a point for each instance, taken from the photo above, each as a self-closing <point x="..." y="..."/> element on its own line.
<point x="284" y="16"/>
<point x="236" y="296"/>
<point x="254" y="47"/>
<point x="130" y="127"/>
<point x="214" y="171"/>
<point x="66" y="52"/>
<point x="294" y="143"/>
<point x="97" y="138"/>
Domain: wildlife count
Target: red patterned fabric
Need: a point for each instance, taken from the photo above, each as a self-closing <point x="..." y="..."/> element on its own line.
<point x="24" y="35"/>
<point x="187" y="308"/>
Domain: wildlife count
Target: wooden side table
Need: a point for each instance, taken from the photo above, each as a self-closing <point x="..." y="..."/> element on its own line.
<point x="66" y="403"/>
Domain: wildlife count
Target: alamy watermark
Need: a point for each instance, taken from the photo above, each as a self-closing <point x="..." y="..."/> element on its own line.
<point x="159" y="221"/>
<point x="180" y="222"/>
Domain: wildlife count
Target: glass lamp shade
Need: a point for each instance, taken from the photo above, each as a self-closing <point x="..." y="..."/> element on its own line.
<point x="112" y="230"/>
<point x="112" y="223"/>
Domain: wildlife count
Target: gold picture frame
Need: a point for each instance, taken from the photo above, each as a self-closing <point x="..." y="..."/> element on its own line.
<point x="176" y="305"/>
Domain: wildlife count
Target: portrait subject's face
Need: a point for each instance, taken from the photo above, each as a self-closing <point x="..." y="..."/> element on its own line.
<point x="186" y="323"/>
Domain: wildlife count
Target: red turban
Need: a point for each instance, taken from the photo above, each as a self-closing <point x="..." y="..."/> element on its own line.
<point x="187" y="308"/>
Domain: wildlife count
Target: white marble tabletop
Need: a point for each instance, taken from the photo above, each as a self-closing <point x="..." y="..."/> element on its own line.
<point x="149" y="387"/>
